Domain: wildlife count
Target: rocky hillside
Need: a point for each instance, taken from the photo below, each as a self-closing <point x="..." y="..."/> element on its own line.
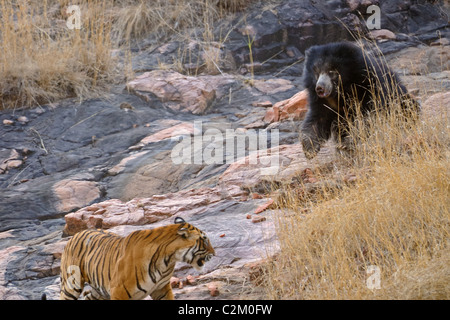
<point x="112" y="163"/>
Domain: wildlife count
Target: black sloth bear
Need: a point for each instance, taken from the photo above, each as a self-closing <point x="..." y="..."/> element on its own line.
<point x="342" y="78"/>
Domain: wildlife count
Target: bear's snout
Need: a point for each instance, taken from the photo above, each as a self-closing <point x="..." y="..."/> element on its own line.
<point x="324" y="86"/>
<point x="320" y="91"/>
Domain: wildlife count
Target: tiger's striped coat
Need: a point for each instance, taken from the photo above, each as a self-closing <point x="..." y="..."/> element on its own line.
<point x="130" y="267"/>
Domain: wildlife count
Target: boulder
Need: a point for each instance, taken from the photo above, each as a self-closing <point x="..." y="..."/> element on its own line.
<point x="437" y="105"/>
<point x="262" y="170"/>
<point x="141" y="211"/>
<point x="421" y="60"/>
<point x="294" y="108"/>
<point x="74" y="194"/>
<point x="179" y="92"/>
<point x="382" y="34"/>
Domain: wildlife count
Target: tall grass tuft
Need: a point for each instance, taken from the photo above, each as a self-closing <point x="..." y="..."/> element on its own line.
<point x="42" y="60"/>
<point x="137" y="18"/>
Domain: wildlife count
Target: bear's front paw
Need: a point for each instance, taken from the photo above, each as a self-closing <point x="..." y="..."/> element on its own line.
<point x="310" y="147"/>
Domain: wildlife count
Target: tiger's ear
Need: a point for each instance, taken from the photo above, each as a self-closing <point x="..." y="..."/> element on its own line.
<point x="184" y="232"/>
<point x="179" y="220"/>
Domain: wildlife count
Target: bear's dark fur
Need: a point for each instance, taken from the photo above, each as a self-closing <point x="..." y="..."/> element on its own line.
<point x="339" y="77"/>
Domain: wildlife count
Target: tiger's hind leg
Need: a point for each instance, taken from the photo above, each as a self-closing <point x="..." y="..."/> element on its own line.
<point x="69" y="294"/>
<point x="72" y="283"/>
<point x="69" y="291"/>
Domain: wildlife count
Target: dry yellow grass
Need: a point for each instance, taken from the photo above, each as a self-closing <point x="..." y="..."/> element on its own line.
<point x="136" y="18"/>
<point x="42" y="60"/>
<point x="191" y="22"/>
<point x="393" y="222"/>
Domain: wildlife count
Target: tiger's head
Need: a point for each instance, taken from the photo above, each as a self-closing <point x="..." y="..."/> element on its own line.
<point x="198" y="248"/>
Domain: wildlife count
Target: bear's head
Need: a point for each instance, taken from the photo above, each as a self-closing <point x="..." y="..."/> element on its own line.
<point x="331" y="69"/>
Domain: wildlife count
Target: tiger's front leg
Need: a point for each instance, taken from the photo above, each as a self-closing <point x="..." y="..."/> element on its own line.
<point x="165" y="293"/>
<point x="120" y="293"/>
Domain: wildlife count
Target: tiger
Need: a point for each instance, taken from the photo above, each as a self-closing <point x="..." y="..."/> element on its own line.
<point x="131" y="267"/>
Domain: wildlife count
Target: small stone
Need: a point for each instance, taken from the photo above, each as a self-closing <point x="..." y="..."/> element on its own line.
<point x="14" y="164"/>
<point x="290" y="53"/>
<point x="262" y="104"/>
<point x="191" y="280"/>
<point x="174" y="282"/>
<point x="22" y="119"/>
<point x="257" y="219"/>
<point x="213" y="289"/>
<point x="126" y="106"/>
<point x="7" y="122"/>
<point x="264" y="206"/>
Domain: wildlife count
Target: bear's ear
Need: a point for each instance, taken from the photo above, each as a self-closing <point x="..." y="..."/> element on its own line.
<point x="309" y="51"/>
